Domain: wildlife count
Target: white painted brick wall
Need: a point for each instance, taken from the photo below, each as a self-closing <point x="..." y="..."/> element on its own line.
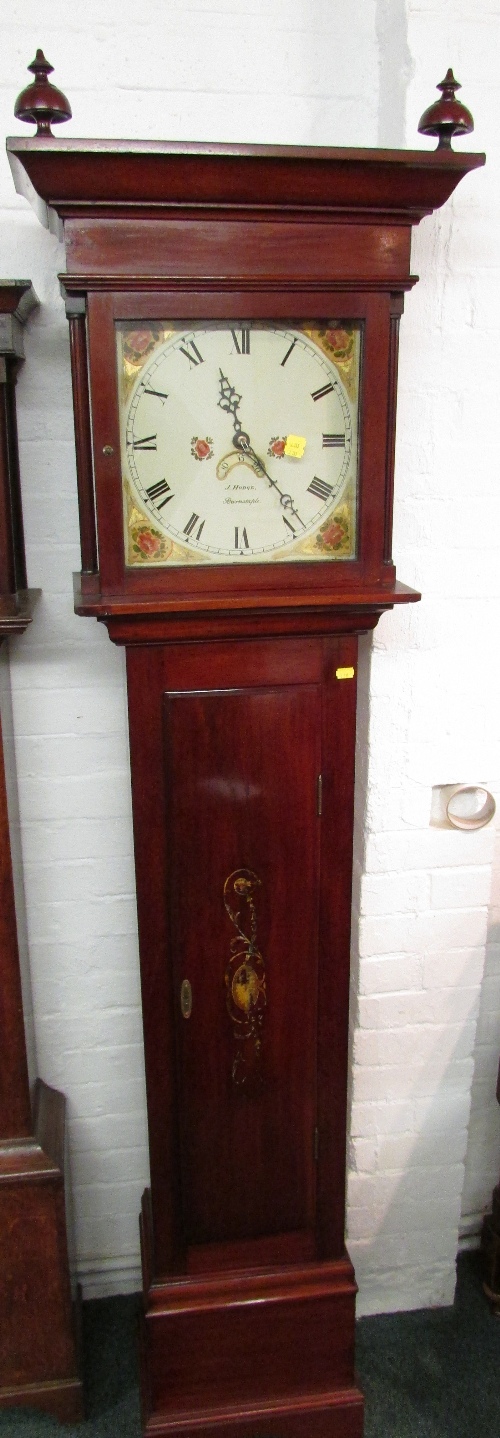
<point x="17" y="857"/>
<point x="482" y="1163"/>
<point x="423" y="893"/>
<point x="296" y="72"/>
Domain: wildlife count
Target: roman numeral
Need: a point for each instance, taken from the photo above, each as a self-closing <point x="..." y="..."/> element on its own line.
<point x="288" y="353"/>
<point x="288" y="525"/>
<point x="242" y="346"/>
<point x="155" y="492"/>
<point x="243" y="542"/>
<point x="332" y="441"/>
<point x="149" y="442"/>
<point x="191" y="524"/>
<point x="320" y="393"/>
<point x="320" y="488"/>
<point x="192" y="354"/>
<point x="157" y="392"/>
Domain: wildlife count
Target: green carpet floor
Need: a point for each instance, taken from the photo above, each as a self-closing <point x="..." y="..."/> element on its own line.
<point x="434" y="1373"/>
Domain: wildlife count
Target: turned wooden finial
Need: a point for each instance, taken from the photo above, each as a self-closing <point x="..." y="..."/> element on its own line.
<point x="41" y="101"/>
<point x="447" y="116"/>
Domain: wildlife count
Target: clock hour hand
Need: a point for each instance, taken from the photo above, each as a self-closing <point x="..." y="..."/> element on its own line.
<point x="230" y="401"/>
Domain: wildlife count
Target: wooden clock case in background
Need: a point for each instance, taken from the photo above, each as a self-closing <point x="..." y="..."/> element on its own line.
<point x="38" y="1356"/>
<point x="242" y="705"/>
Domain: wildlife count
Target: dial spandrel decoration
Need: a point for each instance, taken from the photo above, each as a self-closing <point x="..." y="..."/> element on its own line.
<point x="239" y="442"/>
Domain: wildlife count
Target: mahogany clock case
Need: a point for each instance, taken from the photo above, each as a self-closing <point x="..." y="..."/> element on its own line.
<point x="242" y="707"/>
<point x="38" y="1347"/>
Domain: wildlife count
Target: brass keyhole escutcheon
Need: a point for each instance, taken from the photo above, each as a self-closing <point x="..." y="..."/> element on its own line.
<point x="186" y="999"/>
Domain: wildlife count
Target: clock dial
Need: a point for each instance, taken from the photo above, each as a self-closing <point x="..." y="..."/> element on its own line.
<point x="238" y="442"/>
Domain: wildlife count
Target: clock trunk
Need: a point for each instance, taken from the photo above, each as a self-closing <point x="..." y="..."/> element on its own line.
<point x="242" y="775"/>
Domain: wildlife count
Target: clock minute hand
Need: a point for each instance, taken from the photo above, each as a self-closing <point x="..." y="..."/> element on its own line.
<point x="285" y="499"/>
<point x="230" y="401"/>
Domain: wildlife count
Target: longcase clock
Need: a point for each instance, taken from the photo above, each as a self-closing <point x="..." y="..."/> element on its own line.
<point x="234" y="317"/>
<point x="39" y="1360"/>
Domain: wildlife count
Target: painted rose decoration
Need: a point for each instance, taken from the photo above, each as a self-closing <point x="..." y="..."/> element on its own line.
<point x="340" y="341"/>
<point x="201" y="448"/>
<point x="148" y="544"/>
<point x="276" y="448"/>
<point x="333" y="534"/>
<point x="137" y="343"/>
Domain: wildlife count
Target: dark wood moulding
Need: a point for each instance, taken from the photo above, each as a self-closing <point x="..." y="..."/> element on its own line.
<point x="71" y="175"/>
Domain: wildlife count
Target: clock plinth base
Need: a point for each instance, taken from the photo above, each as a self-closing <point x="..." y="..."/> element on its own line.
<point x="39" y="1358"/>
<point x="233" y="1354"/>
<point x="61" y="1400"/>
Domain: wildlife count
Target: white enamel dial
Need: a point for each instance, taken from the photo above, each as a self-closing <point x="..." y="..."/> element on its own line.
<point x="238" y="443"/>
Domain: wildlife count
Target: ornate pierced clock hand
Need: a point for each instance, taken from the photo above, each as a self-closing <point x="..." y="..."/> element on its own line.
<point x="230" y="401"/>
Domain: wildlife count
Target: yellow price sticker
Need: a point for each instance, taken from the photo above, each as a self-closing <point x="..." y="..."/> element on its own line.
<point x="295" y="446"/>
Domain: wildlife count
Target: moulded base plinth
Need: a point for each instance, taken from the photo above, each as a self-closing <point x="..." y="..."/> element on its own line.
<point x="334" y="1415"/>
<point x="254" y="1352"/>
<point x="62" y="1399"/>
<point x="38" y="1329"/>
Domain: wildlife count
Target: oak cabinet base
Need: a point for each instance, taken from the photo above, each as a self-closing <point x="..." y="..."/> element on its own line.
<point x="38" y="1353"/>
<point x="267" y="1349"/>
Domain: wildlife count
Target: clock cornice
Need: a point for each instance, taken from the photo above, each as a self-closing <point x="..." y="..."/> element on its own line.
<point x="74" y="176"/>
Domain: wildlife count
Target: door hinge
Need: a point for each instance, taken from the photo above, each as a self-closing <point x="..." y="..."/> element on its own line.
<point x="316" y="1145"/>
<point x="319" y="795"/>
